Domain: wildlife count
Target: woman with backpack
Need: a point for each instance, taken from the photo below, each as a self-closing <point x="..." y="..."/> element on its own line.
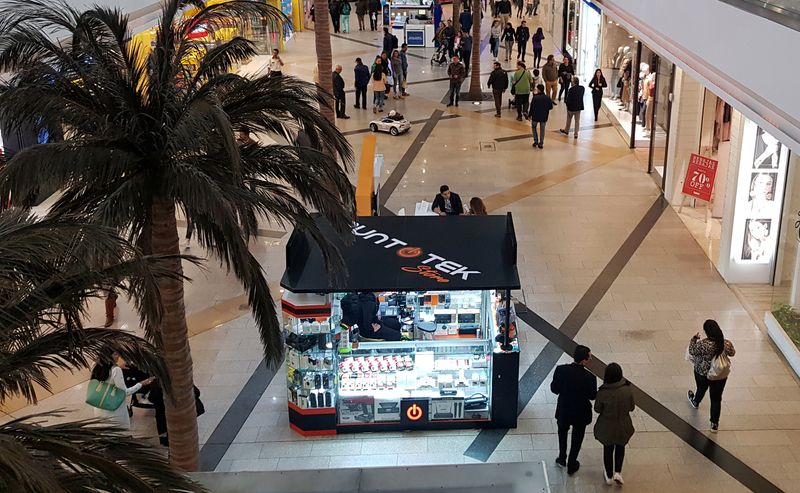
<point x="614" y="428"/>
<point x="712" y="364"/>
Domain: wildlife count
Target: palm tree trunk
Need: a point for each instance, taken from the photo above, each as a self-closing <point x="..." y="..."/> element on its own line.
<point x="456" y="13"/>
<point x="180" y="405"/>
<point x="475" y="77"/>
<point x="322" y="41"/>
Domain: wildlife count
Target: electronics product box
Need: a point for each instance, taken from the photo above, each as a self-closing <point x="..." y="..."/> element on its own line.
<point x="387" y="409"/>
<point x="356" y="410"/>
<point x="443" y="408"/>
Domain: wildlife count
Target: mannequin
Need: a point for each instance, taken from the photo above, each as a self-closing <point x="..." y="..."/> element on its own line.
<point x="650" y="86"/>
<point x="625" y="64"/>
<point x="643" y="91"/>
<point x="616" y="64"/>
<point x="625" y="90"/>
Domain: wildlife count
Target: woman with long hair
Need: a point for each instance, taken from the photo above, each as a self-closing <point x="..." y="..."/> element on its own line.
<point x="597" y="84"/>
<point x="614" y="427"/>
<point x="494" y="39"/>
<point x="477" y="207"/>
<point x="378" y="85"/>
<point x="538" y="37"/>
<point x="702" y="353"/>
<point x="108" y="369"/>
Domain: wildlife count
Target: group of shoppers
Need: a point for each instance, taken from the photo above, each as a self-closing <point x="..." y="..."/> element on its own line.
<point x="387" y="75"/>
<point x="615" y="400"/>
<point x="340" y="14"/>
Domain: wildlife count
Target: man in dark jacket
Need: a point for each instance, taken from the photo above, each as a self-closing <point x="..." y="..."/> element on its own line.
<point x="465" y="19"/>
<point x="371" y="325"/>
<point x="503" y="10"/>
<point x="361" y="11"/>
<point x="457" y="74"/>
<point x="565" y="72"/>
<point x="574" y="102"/>
<point x="449" y="34"/>
<point x="498" y="83"/>
<point x="387" y="41"/>
<point x="338" y="93"/>
<point x="362" y="84"/>
<point x="523" y="35"/>
<point x="541" y="104"/>
<point x="374" y="9"/>
<point x="447" y="203"/>
<point x="335" y="9"/>
<point x="575" y="387"/>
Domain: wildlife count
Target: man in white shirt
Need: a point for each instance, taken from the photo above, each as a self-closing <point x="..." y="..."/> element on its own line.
<point x="275" y="64"/>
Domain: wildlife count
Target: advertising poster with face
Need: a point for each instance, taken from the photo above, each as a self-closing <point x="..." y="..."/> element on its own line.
<point x="759" y="195"/>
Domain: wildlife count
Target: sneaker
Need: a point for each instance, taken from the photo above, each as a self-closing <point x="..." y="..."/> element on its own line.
<point x="535" y="144"/>
<point x="561" y="462"/>
<point x="573" y="468"/>
<point x="618" y="479"/>
<point x="690" y="396"/>
<point x="541" y="146"/>
<point x="714" y="427"/>
<point x="609" y="481"/>
<point x="563" y="131"/>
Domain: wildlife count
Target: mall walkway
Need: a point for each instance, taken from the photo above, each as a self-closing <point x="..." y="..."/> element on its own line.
<point x="603" y="262"/>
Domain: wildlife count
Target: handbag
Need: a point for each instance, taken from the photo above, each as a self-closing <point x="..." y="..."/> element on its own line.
<point x="390" y="79"/>
<point x="104" y="395"/>
<point x="720" y="367"/>
<point x="513" y="88"/>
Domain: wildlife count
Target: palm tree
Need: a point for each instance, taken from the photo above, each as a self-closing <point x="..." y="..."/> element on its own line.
<point x="146" y="136"/>
<point x="475" y="77"/>
<point x="322" y="42"/>
<point x="49" y="269"/>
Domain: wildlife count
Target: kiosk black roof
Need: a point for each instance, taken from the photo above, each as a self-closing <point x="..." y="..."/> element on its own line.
<point x="410" y="253"/>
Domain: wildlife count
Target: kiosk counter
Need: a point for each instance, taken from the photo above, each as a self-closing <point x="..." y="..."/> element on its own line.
<point x="413" y="336"/>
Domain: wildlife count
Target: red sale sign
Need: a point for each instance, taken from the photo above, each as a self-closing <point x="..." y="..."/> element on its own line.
<point x="699" y="179"/>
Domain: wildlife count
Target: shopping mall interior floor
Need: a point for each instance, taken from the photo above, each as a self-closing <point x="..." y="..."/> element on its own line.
<point x="576" y="203"/>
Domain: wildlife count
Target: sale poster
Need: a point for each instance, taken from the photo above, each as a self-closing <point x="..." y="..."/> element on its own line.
<point x="699" y="180"/>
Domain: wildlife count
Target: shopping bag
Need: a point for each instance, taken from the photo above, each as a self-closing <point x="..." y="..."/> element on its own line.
<point x="720" y="367"/>
<point x="688" y="356"/>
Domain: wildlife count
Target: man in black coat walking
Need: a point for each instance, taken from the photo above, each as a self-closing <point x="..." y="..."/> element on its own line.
<point x="574" y="102"/>
<point x="575" y="387"/>
<point x="335" y="8"/>
<point x="338" y="93"/>
<point x="498" y="83"/>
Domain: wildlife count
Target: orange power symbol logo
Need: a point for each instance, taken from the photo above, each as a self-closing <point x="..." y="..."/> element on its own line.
<point x="414" y="412"/>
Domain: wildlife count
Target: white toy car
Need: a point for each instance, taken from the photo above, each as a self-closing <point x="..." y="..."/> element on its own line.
<point x="394" y="123"/>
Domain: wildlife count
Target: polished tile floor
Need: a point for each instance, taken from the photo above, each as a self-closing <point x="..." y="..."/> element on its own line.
<point x="574" y="203"/>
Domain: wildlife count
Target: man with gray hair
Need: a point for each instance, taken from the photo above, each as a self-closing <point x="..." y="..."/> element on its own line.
<point x="574" y="102"/>
<point x="338" y="93"/>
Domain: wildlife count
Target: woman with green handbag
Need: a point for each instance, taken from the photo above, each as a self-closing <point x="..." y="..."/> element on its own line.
<point x="107" y="392"/>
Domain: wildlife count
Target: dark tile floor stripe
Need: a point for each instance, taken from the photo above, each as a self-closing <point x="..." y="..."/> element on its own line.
<point x="485" y="443"/>
<point x="223" y="435"/>
<point x="528" y="136"/>
<point x="365" y="130"/>
<point x="388" y="188"/>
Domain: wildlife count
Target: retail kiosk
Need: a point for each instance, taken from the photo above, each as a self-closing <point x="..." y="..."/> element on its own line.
<point x="447" y="281"/>
<point x="412" y="23"/>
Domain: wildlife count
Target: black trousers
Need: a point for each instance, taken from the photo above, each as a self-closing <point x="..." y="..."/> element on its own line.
<point x="716" y="388"/>
<point x="564" y="88"/>
<point x="597" y="100"/>
<point x="613" y="455"/>
<point x="335" y="20"/>
<point x="455" y="88"/>
<point x="498" y="100"/>
<point x="537" y="57"/>
<point x="521" y="47"/>
<point x="578" y="432"/>
<point x="521" y="102"/>
<point x="340" y="106"/>
<point x="361" y="92"/>
<point x="450" y="43"/>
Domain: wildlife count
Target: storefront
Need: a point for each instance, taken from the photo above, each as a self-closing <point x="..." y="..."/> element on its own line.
<point x="589" y="40"/>
<point x="411" y="22"/>
<point x="433" y="295"/>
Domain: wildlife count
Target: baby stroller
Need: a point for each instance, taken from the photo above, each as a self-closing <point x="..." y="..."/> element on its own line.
<point x="440" y="55"/>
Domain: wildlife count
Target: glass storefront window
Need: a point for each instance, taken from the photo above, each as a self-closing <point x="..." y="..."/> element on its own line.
<point x="785" y="289"/>
<point x="659" y="136"/>
<point x="588" y="58"/>
<point x="573" y="12"/>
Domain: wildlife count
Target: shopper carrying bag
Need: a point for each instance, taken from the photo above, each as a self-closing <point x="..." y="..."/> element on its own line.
<point x="712" y="365"/>
<point x="107" y="391"/>
<point x="614" y="427"/>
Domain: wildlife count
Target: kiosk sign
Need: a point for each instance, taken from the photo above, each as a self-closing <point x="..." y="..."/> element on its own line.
<point x="413" y="412"/>
<point x="699" y="179"/>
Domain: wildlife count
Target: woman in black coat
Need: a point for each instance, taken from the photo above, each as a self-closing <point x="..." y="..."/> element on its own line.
<point x="597" y="84"/>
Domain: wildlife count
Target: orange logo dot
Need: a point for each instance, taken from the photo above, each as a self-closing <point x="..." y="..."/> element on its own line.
<point x="414" y="412"/>
<point x="409" y="252"/>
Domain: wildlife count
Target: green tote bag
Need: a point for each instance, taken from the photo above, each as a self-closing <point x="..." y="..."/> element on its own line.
<point x="105" y="396"/>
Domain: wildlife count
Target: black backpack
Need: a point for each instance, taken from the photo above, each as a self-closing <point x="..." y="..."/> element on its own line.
<point x="394" y="41"/>
<point x="351" y="309"/>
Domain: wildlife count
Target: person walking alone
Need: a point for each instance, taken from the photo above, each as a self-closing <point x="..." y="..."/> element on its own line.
<point x="541" y="104"/>
<point x="465" y="19"/>
<point x="275" y="64"/>
<point x="614" y="427"/>
<point x="550" y="76"/>
<point x="521" y="89"/>
<point x="538" y="37"/>
<point x="575" y="387"/>
<point x="334" y="7"/>
<point x="457" y="73"/>
<point x="339" y="94"/>
<point x="361" y="73"/>
<point x="523" y="34"/>
<point x="345" y="16"/>
<point x="597" y="84"/>
<point x="373" y="9"/>
<point x="710" y="373"/>
<point x="466" y="49"/>
<point x="503" y="10"/>
<point x="508" y="36"/>
<point x="574" y="102"/>
<point x="362" y="6"/>
<point x="496" y="31"/>
<point x="498" y="83"/>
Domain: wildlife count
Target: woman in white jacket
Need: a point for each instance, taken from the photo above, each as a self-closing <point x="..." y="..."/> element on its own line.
<point x="494" y="41"/>
<point x="110" y="371"/>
